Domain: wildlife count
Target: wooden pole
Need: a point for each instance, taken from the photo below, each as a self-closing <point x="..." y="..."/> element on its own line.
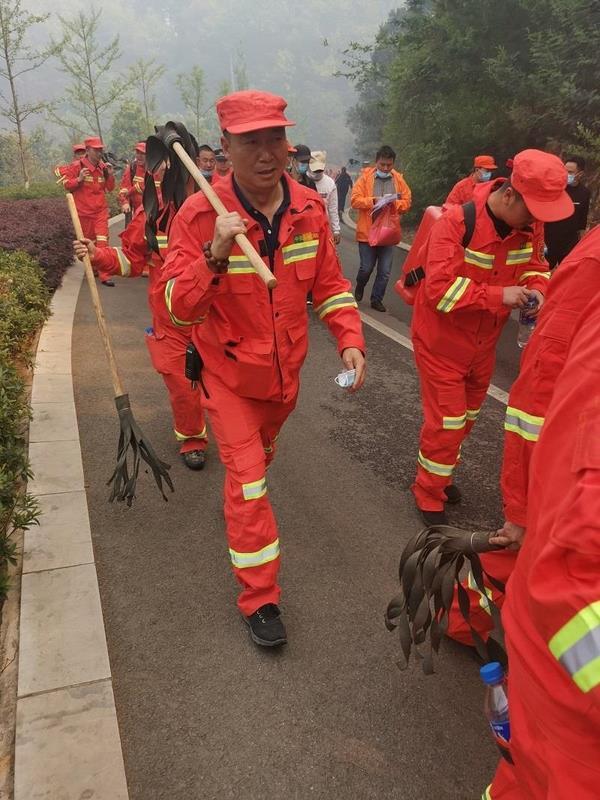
<point x="89" y="274"/>
<point x="213" y="198"/>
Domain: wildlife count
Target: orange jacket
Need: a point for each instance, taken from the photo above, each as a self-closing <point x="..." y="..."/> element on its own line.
<point x="363" y="199"/>
<point x="89" y="195"/>
<point x="253" y="339"/>
<point x="132" y="189"/>
<point x="569" y="292"/>
<point x="458" y="309"/>
<point x="551" y="614"/>
<point x="462" y="191"/>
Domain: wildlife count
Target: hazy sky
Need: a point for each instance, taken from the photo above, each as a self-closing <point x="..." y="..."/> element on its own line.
<point x="288" y="47"/>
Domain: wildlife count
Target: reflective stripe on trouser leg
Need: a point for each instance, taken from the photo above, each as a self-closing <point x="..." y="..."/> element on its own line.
<point x="241" y="427"/>
<point x="189" y="423"/>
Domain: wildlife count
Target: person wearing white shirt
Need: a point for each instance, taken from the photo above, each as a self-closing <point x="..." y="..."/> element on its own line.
<point x="325" y="186"/>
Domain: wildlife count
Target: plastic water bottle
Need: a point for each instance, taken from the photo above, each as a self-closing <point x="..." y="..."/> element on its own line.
<point x="526" y="324"/>
<point x="496" y="706"/>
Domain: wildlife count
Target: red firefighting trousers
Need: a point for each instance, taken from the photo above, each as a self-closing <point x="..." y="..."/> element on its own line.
<point x="96" y="229"/>
<point x="552" y="761"/>
<point x="452" y="395"/>
<point x="246" y="431"/>
<point x="500" y="566"/>
<point x="168" y="358"/>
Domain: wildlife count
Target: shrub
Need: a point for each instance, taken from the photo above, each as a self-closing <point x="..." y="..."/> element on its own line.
<point x="24" y="301"/>
<point x="41" y="228"/>
<point x="35" y="192"/>
<point x="24" y="304"/>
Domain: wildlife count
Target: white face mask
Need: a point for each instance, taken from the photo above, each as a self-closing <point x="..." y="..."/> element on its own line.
<point x="315" y="176"/>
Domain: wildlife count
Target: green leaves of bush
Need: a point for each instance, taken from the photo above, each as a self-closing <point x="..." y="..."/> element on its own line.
<point x="24" y="305"/>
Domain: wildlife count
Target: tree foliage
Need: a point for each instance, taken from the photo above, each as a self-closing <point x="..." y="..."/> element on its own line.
<point x="192" y="88"/>
<point x="477" y="76"/>
<point x="144" y="75"/>
<point x="94" y="86"/>
<point x="16" y="59"/>
<point x="128" y="128"/>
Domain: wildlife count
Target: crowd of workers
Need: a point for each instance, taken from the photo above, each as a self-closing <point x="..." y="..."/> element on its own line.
<point x="473" y="260"/>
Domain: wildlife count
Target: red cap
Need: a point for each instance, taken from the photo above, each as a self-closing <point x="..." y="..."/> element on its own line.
<point x="542" y="178"/>
<point x="79" y="147"/>
<point x="141" y="147"/>
<point x="95" y="142"/>
<point x="291" y="148"/>
<point x="484" y="162"/>
<point x="250" y="110"/>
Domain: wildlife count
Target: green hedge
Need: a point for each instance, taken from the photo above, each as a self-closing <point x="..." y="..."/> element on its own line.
<point x="24" y="305"/>
<point x="35" y="191"/>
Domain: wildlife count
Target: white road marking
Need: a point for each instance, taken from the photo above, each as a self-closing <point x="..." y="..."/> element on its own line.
<point x="493" y="391"/>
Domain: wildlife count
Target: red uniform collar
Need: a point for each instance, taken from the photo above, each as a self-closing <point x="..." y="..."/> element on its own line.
<point x="485" y="223"/>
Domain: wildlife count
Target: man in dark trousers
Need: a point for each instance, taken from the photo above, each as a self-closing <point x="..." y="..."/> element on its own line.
<point x="562" y="236"/>
<point x="344" y="184"/>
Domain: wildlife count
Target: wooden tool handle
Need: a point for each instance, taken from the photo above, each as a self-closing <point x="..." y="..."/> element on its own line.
<point x="89" y="274"/>
<point x="213" y="198"/>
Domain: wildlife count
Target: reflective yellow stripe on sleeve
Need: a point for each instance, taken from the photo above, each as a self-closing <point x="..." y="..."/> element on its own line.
<point x="335" y="302"/>
<point x="256" y="559"/>
<point x="527" y="426"/>
<point x="168" y="297"/>
<point x="472" y="414"/>
<point x="124" y="263"/>
<point x="487" y="795"/>
<point x="576" y="646"/>
<point x="453" y="294"/>
<point x="534" y="274"/>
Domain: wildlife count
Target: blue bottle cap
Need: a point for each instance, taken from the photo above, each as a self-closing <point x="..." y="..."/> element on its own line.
<point x="492" y="673"/>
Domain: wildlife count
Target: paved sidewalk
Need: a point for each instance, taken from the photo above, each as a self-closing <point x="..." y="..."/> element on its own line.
<point x="67" y="739"/>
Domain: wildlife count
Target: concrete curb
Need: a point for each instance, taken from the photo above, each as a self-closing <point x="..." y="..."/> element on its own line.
<point x="67" y="736"/>
<point x="347" y="220"/>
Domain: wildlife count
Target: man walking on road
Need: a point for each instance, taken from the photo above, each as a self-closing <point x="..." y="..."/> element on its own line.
<point x="375" y="183"/>
<point x="89" y="178"/>
<point x="463" y="301"/>
<point x="344" y="184"/>
<point x="325" y="186"/>
<point x="562" y="236"/>
<point x="252" y="340"/>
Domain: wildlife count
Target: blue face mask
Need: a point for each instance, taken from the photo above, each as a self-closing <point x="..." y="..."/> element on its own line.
<point x="302" y="168"/>
<point x="207" y="173"/>
<point x="570" y="179"/>
<point x="383" y="175"/>
<point x="485" y="175"/>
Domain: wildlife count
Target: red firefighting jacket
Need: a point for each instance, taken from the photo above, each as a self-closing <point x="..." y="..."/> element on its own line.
<point x="570" y="290"/>
<point x="462" y="191"/>
<point x="90" y="194"/>
<point x="131" y="259"/>
<point x="458" y="310"/>
<point x="132" y="189"/>
<point x="552" y="611"/>
<point x="254" y="339"/>
<point x="61" y="171"/>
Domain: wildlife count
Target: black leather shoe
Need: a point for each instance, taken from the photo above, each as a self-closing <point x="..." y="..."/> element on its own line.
<point x="108" y="283"/>
<point x="453" y="494"/>
<point x="359" y="292"/>
<point x="434" y="517"/>
<point x="377" y="305"/>
<point x="194" y="459"/>
<point x="266" y="627"/>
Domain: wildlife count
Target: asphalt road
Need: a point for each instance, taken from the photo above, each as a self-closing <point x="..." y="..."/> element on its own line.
<point x="203" y="713"/>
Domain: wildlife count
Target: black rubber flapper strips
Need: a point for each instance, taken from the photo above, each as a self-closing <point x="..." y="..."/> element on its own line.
<point x="430" y="570"/>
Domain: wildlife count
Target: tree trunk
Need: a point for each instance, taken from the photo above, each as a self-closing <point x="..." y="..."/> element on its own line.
<point x="15" y="102"/>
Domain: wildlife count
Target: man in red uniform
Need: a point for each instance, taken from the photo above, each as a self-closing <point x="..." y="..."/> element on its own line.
<point x="60" y="171"/>
<point x="132" y="185"/>
<point x="166" y="341"/>
<point x="89" y="178"/>
<point x="569" y="292"/>
<point x="552" y="610"/>
<point x="253" y="341"/>
<point x="464" y="301"/>
<point x="462" y="192"/>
